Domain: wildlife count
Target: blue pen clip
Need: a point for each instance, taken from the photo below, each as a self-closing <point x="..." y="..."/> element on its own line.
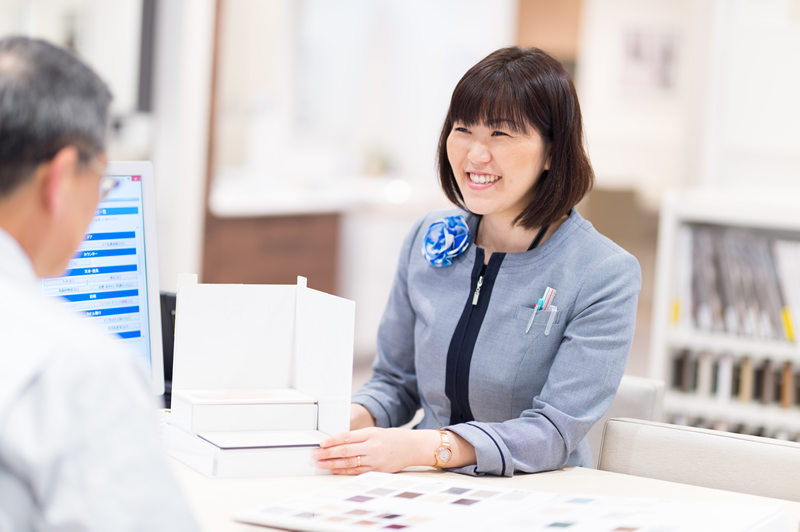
<point x="538" y="305"/>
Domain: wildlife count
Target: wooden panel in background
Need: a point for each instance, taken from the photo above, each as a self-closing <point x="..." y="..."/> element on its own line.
<point x="550" y="25"/>
<point x="272" y="250"/>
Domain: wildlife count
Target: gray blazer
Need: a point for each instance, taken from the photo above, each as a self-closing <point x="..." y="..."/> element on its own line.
<point x="534" y="396"/>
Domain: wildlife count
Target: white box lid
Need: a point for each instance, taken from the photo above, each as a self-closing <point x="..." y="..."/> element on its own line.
<point x="255" y="439"/>
<point x="245" y="397"/>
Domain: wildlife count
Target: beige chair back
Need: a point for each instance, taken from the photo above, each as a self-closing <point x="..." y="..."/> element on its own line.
<point x="638" y="398"/>
<point x="713" y="459"/>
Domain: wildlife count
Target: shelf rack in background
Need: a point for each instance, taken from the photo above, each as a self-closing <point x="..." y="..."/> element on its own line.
<point x="720" y="373"/>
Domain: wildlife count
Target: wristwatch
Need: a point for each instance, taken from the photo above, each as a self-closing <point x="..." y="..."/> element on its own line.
<point x="443" y="453"/>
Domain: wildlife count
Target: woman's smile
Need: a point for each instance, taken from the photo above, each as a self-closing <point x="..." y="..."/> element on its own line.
<point x="481" y="181"/>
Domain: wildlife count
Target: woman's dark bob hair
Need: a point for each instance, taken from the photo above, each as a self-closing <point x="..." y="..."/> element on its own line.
<point x="523" y="88"/>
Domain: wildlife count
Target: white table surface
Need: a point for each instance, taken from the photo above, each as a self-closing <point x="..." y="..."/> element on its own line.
<point x="215" y="500"/>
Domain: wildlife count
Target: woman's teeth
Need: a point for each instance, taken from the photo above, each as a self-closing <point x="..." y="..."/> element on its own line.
<point x="483" y="178"/>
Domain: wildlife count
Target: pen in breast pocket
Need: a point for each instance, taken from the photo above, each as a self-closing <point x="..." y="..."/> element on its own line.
<point x="542" y="304"/>
<point x="550" y="321"/>
<point x="549" y="294"/>
<point x="536" y="307"/>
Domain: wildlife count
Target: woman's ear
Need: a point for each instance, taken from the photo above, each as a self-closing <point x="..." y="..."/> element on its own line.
<point x="58" y="175"/>
<point x="549" y="151"/>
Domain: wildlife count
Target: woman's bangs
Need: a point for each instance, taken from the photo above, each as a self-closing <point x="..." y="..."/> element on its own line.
<point x="493" y="103"/>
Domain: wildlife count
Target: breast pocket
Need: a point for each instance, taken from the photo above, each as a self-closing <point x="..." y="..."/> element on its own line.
<point x="544" y="322"/>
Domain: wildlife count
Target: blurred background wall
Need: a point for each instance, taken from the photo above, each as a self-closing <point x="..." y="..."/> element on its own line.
<point x="298" y="136"/>
<point x="157" y="57"/>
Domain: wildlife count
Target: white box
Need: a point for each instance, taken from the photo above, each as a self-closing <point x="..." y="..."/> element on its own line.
<point x="258" y="358"/>
<point x="244" y="462"/>
<point x="196" y="411"/>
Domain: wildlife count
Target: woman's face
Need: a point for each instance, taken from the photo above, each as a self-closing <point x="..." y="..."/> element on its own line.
<point x="496" y="168"/>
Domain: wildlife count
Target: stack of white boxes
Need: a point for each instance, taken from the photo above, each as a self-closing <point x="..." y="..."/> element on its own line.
<point x="261" y="374"/>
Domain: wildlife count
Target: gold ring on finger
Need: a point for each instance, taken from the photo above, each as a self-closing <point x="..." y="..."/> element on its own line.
<point x="359" y="461"/>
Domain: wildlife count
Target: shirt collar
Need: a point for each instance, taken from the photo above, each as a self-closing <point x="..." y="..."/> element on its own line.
<point x="15" y="265"/>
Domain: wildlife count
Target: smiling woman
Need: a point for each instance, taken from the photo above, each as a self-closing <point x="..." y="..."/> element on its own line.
<point x="514" y="346"/>
<point x="526" y="100"/>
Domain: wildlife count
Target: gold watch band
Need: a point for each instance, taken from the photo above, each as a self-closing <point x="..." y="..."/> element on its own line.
<point x="443" y="453"/>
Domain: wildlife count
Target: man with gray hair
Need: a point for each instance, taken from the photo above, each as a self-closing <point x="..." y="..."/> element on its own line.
<point x="79" y="448"/>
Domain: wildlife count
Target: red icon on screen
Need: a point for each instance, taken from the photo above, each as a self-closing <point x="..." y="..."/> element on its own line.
<point x="136" y="178"/>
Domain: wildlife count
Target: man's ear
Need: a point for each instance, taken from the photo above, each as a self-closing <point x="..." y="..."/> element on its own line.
<point x="58" y="174"/>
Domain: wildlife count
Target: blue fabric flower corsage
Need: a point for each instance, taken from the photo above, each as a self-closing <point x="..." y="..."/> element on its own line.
<point x="446" y="238"/>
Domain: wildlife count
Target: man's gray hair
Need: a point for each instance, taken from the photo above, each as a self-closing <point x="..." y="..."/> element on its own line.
<point x="49" y="99"/>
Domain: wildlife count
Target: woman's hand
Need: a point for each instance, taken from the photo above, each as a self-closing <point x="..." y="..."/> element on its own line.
<point x="374" y="449"/>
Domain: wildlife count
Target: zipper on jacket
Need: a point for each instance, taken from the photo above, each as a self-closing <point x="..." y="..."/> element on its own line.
<point x="477" y="291"/>
<point x="462" y="344"/>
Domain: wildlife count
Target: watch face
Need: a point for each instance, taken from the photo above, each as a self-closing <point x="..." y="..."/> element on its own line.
<point x="444" y="455"/>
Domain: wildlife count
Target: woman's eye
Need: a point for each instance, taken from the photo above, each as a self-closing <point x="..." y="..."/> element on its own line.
<point x="461" y="129"/>
<point x="499" y="134"/>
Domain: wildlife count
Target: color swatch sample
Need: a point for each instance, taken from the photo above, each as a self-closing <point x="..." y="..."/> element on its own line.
<point x="628" y="514"/>
<point x="380" y="501"/>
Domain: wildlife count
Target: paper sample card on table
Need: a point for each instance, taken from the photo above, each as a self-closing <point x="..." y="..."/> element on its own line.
<point x="397" y="502"/>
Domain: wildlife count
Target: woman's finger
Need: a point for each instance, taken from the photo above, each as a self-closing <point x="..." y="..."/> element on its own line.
<point x="356" y="471"/>
<point x="354" y="464"/>
<point x="344" y="450"/>
<point x="353" y="436"/>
